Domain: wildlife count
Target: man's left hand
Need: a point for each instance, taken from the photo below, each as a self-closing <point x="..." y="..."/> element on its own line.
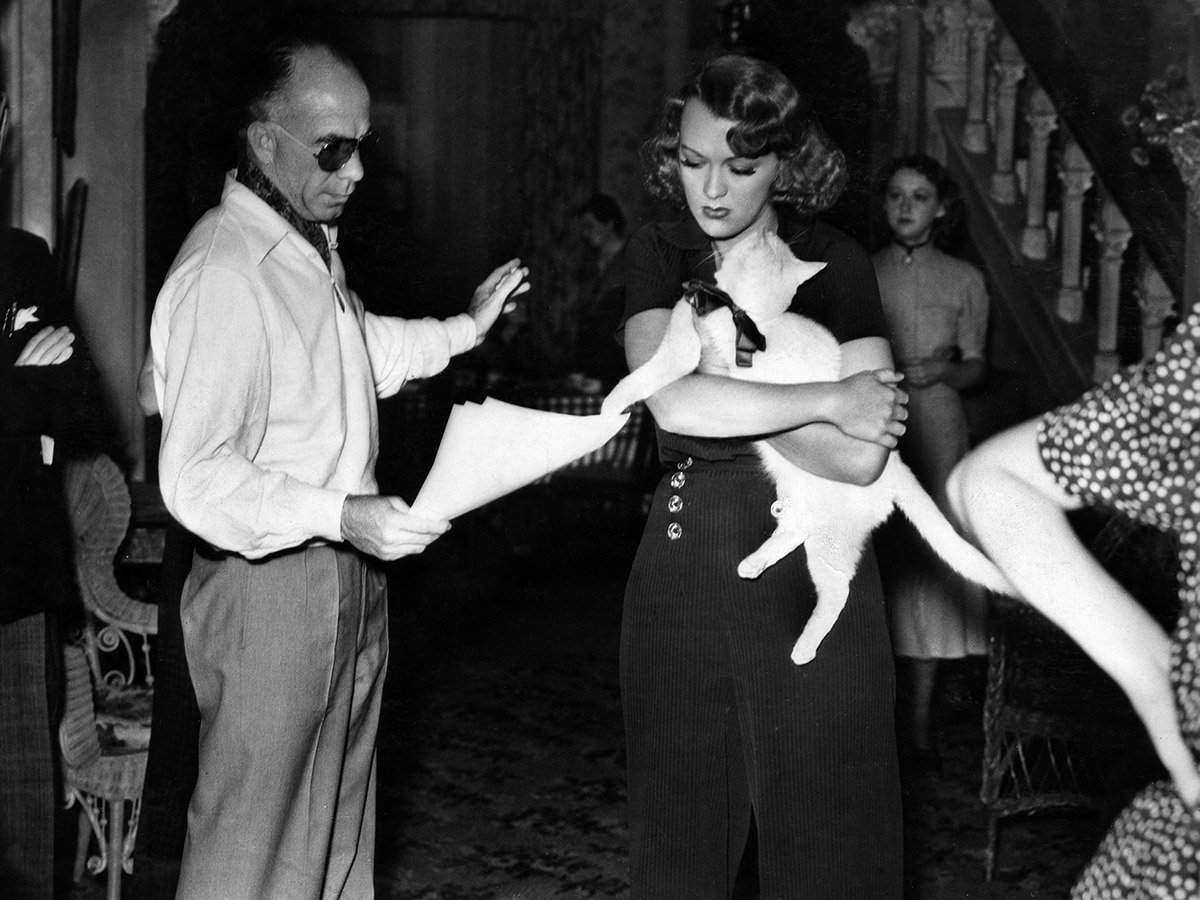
<point x="495" y="295"/>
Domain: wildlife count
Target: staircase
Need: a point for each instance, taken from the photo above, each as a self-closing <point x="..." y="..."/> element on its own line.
<point x="1082" y="185"/>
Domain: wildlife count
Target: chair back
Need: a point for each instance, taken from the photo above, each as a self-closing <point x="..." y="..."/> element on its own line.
<point x="98" y="507"/>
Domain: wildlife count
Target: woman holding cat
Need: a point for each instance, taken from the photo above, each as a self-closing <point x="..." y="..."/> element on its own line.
<point x="720" y="725"/>
<point x="936" y="308"/>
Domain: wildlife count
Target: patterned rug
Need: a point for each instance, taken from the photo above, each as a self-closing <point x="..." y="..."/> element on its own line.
<point x="501" y="761"/>
<point x="501" y="770"/>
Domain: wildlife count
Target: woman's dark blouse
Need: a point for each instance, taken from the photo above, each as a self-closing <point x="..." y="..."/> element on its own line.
<point x="844" y="296"/>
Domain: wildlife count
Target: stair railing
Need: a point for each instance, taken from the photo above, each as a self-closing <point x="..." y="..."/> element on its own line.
<point x="951" y="82"/>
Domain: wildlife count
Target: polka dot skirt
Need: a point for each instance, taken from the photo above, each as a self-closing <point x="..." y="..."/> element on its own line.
<point x="1133" y="444"/>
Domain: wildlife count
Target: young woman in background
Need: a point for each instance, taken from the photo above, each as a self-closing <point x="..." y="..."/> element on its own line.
<point x="936" y="308"/>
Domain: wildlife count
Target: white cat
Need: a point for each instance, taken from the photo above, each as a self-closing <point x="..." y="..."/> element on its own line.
<point x="832" y="519"/>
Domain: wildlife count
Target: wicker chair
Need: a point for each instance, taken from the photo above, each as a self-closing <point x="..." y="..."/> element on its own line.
<point x="105" y="730"/>
<point x="1058" y="732"/>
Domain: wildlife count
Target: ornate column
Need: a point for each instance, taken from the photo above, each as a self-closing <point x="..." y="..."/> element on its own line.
<point x="1076" y="175"/>
<point x="1009" y="69"/>
<point x="1114" y="233"/>
<point x="945" y="67"/>
<point x="1156" y="303"/>
<point x="873" y="27"/>
<point x="27" y="35"/>
<point x="980" y="22"/>
<point x="1042" y="119"/>
<point x="908" y="77"/>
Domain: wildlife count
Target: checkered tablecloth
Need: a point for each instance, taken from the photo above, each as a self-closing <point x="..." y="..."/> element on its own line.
<point x="621" y="451"/>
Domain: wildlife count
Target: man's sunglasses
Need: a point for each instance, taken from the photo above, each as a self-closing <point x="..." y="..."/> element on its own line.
<point x="337" y="151"/>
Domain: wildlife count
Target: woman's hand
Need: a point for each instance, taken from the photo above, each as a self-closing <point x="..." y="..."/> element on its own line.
<point x="495" y="295"/>
<point x="930" y="369"/>
<point x="869" y="406"/>
<point x="49" y="347"/>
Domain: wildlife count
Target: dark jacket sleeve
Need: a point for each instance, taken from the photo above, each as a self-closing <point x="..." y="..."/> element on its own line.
<point x="652" y="279"/>
<point x="36" y="571"/>
<point x="34" y="400"/>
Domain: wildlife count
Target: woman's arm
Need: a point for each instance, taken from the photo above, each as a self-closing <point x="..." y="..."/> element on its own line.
<point x="865" y="405"/>
<point x="829" y="452"/>
<point x="1005" y="496"/>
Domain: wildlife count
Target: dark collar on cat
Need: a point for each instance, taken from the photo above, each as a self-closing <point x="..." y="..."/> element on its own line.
<point x="256" y="180"/>
<point x="706" y="297"/>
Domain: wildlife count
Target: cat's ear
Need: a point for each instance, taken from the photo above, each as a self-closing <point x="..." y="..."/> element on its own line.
<point x="807" y="270"/>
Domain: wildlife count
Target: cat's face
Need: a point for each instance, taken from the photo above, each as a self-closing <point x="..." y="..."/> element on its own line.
<point x="761" y="274"/>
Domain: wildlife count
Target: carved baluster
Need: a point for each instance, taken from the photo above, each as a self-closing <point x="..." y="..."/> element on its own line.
<point x="1042" y="119"/>
<point x="1009" y="69"/>
<point x="946" y="67"/>
<point x="908" y="77"/>
<point x="1156" y="303"/>
<point x="1114" y="234"/>
<point x="873" y="27"/>
<point x="980" y="22"/>
<point x="1076" y="175"/>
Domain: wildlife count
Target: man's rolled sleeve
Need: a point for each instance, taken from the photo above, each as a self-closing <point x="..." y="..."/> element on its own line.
<point x="403" y="349"/>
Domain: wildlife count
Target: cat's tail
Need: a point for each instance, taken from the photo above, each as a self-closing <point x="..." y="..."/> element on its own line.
<point x="937" y="531"/>
<point x="676" y="356"/>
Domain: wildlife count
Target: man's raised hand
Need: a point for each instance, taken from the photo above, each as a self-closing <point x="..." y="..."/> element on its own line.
<point x="495" y="295"/>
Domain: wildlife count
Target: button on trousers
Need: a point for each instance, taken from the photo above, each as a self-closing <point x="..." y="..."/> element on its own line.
<point x="288" y="657"/>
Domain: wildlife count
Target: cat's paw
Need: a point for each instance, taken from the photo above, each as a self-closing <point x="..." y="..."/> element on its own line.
<point x="679" y="352"/>
<point x="802" y="653"/>
<point x="750" y="568"/>
<point x="676" y="356"/>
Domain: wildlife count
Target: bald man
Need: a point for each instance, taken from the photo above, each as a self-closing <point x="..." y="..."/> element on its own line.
<point x="266" y="371"/>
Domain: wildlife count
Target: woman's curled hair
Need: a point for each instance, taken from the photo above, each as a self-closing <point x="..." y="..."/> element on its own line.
<point x="769" y="116"/>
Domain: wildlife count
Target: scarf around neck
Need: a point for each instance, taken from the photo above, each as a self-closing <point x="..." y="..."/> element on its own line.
<point x="252" y="177"/>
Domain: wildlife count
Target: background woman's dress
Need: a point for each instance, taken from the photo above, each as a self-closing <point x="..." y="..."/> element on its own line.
<point x="931" y="300"/>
